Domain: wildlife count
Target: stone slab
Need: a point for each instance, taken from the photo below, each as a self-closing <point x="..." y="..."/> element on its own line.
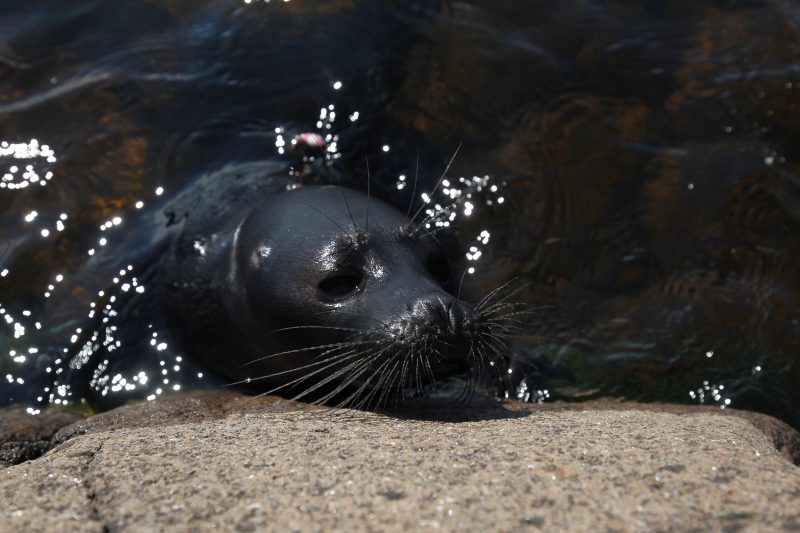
<point x="504" y="468"/>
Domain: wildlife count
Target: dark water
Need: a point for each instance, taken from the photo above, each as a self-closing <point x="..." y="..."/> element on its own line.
<point x="646" y="155"/>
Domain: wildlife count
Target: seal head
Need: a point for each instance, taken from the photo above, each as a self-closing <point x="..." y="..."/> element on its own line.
<point x="322" y="292"/>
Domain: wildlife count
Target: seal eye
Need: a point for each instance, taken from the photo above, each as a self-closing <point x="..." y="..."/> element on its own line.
<point x="340" y="286"/>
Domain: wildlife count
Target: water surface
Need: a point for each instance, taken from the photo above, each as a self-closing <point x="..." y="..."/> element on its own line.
<point x="646" y="155"/>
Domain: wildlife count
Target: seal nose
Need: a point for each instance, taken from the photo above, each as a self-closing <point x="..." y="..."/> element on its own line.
<point x="447" y="313"/>
<point x="439" y="326"/>
<point x="453" y="314"/>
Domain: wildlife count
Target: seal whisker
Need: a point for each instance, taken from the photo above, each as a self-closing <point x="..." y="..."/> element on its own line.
<point x="509" y="295"/>
<point x="315" y="327"/>
<point x="464" y="393"/>
<point x="511" y="326"/>
<point x="328" y="361"/>
<point x="391" y="395"/>
<point x="507" y="316"/>
<point x="436" y="187"/>
<point x="366" y="160"/>
<point x="319" y="357"/>
<point x="307" y="348"/>
<point x="344" y="385"/>
<point x="497" y="339"/>
<point x="355" y="364"/>
<point x="332" y="361"/>
<point x="501" y="320"/>
<point x="316" y="360"/>
<point x="384" y="384"/>
<point x="366" y="384"/>
<point x="432" y="232"/>
<point x="353" y="375"/>
<point x="309" y="390"/>
<point x="414" y="188"/>
<point x="404" y="371"/>
<point x="374" y="390"/>
<point x="428" y="369"/>
<point x="418" y="373"/>
<point x="344" y="371"/>
<point x="491" y="293"/>
<point x="484" y="347"/>
<point x="498" y="307"/>
<point x="504" y="324"/>
<point x="467" y="391"/>
<point x="397" y="381"/>
<point x="472" y="379"/>
<point x="493" y="304"/>
<point x="349" y="212"/>
<point x="481" y="368"/>
<point x="507" y="309"/>
<point x="333" y="221"/>
<point x="373" y="397"/>
<point x="461" y="284"/>
<point x="426" y="358"/>
<point x="364" y="366"/>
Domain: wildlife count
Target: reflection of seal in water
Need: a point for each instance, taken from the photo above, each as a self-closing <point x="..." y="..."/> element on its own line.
<point x="322" y="293"/>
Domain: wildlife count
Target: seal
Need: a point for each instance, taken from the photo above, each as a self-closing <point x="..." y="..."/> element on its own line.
<point x="327" y="295"/>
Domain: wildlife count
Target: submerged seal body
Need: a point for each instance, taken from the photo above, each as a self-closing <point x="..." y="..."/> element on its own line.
<point x="323" y="293"/>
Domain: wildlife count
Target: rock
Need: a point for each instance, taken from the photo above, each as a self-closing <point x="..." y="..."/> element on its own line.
<point x="224" y="462"/>
<point x="24" y="437"/>
<point x="176" y="409"/>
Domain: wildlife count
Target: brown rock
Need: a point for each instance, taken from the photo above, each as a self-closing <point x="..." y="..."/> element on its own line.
<point x="24" y="436"/>
<point x="599" y="467"/>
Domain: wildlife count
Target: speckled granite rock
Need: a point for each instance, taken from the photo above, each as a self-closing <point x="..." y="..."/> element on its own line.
<point x="254" y="465"/>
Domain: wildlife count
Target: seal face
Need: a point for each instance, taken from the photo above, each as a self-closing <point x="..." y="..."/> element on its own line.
<point x="322" y="293"/>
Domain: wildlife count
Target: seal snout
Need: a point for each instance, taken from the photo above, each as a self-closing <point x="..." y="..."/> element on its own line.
<point x="438" y="324"/>
<point x="447" y="315"/>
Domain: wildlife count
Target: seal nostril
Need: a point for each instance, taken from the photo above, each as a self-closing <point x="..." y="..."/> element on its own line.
<point x="450" y="314"/>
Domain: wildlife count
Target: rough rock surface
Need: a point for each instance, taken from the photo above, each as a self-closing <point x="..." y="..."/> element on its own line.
<point x="24" y="437"/>
<point x="238" y="464"/>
